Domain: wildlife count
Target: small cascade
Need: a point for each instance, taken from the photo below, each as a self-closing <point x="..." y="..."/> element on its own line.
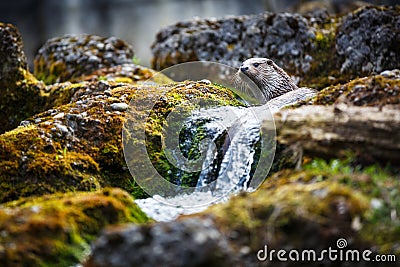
<point x="229" y="140"/>
<point x="232" y="171"/>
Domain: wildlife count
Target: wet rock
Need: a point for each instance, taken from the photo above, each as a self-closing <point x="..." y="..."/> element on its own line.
<point x="56" y="230"/>
<point x="189" y="242"/>
<point x="21" y="95"/>
<point x="63" y="58"/>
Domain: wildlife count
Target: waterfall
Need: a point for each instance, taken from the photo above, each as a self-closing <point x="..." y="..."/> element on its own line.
<point x="231" y="154"/>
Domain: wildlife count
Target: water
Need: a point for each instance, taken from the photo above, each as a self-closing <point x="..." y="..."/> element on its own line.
<point x="231" y="152"/>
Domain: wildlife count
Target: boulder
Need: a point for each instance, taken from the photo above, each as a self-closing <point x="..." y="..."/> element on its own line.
<point x="63" y="58"/>
<point x="21" y="93"/>
<point x="78" y="146"/>
<point x="325" y="205"/>
<point x="56" y="230"/>
<point x="189" y="242"/>
<point x="317" y="51"/>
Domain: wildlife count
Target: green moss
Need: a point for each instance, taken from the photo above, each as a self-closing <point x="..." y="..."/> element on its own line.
<point x="22" y="96"/>
<point x="188" y="97"/>
<point x="40" y="159"/>
<point x="43" y="168"/>
<point x="56" y="230"/>
<point x="324" y="202"/>
<point x="324" y="71"/>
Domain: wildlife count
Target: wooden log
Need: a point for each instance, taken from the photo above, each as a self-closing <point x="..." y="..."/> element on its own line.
<point x="371" y="134"/>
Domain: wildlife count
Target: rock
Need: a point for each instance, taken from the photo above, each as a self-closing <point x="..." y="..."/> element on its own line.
<point x="21" y="95"/>
<point x="310" y="209"/>
<point x="56" y="230"/>
<point x="317" y="51"/>
<point x="284" y="37"/>
<point x="64" y="58"/>
<point x="189" y="242"/>
<point x="126" y="73"/>
<point x="82" y="150"/>
<point x="119" y="106"/>
<point x="11" y="53"/>
<point x="368" y="134"/>
<point x="346" y="128"/>
<point x="367" y="40"/>
<point x="374" y="90"/>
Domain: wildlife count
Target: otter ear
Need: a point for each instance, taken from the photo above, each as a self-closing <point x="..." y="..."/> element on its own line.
<point x="269" y="62"/>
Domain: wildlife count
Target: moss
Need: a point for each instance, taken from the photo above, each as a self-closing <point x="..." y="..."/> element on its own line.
<point x="313" y="207"/>
<point x="56" y="230"/>
<point x="78" y="146"/>
<point x="185" y="96"/>
<point x="376" y="90"/>
<point x="21" y="98"/>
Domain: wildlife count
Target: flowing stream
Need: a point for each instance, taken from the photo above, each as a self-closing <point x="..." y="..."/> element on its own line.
<point x="232" y="159"/>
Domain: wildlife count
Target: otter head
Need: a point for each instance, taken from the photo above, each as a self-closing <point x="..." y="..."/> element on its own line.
<point x="271" y="79"/>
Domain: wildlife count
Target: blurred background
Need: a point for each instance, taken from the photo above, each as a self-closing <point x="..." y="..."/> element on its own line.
<point x="138" y="21"/>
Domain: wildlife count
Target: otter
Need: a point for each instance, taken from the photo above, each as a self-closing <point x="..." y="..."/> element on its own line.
<point x="275" y="84"/>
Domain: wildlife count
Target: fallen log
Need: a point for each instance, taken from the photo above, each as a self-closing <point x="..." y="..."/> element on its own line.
<point x="371" y="134"/>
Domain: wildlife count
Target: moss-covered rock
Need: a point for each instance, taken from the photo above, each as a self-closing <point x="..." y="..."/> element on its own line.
<point x="317" y="50"/>
<point x="78" y="146"/>
<point x="96" y="59"/>
<point x="309" y="209"/>
<point x="313" y="208"/>
<point x="374" y="90"/>
<point x="126" y="73"/>
<point x="63" y="58"/>
<point x="56" y="230"/>
<point x="186" y="96"/>
<point x="21" y="93"/>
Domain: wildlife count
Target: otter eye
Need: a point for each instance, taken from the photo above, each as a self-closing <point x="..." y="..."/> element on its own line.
<point x="256" y="65"/>
<point x="269" y="62"/>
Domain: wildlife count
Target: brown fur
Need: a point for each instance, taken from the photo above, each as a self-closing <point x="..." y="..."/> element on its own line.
<point x="271" y="79"/>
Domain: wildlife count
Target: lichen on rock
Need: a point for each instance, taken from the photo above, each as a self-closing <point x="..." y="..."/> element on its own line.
<point x="368" y="40"/>
<point x="375" y="90"/>
<point x="284" y="37"/>
<point x="64" y="58"/>
<point x="21" y="93"/>
<point x="317" y="51"/>
<point x="126" y="73"/>
<point x="78" y="146"/>
<point x="300" y="210"/>
<point x="56" y="230"/>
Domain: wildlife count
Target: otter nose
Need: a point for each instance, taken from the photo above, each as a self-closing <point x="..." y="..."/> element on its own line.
<point x="244" y="69"/>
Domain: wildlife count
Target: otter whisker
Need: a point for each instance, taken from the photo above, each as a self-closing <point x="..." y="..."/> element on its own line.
<point x="274" y="82"/>
<point x="239" y="83"/>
